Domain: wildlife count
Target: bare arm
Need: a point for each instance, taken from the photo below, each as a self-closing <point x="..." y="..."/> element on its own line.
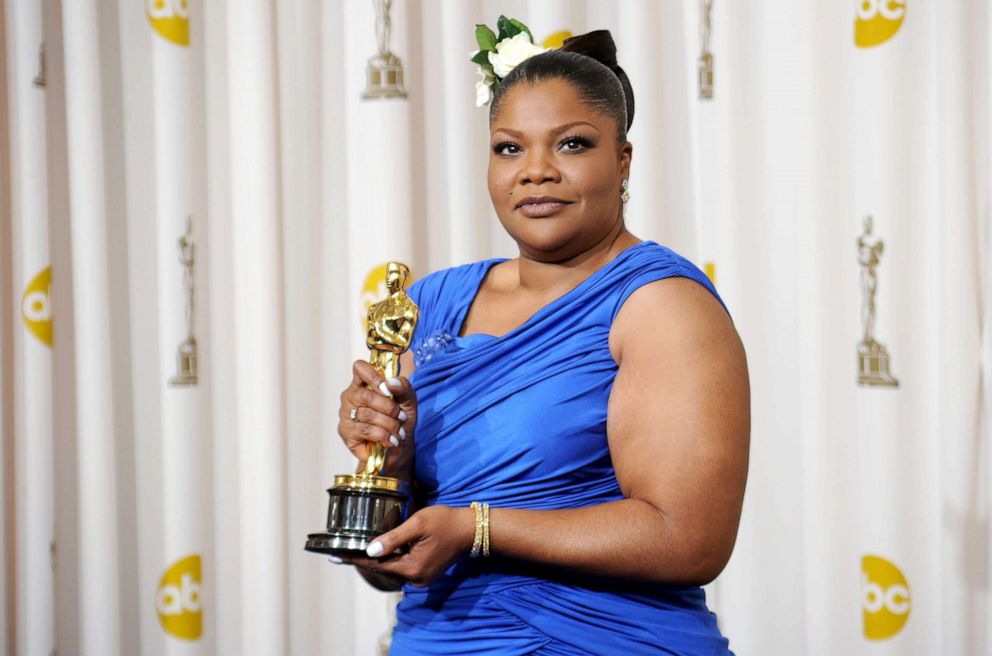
<point x="678" y="430"/>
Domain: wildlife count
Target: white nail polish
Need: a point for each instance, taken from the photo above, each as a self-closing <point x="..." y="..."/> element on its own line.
<point x="402" y="416"/>
<point x="393" y="440"/>
<point x="402" y="433"/>
<point x="385" y="390"/>
<point x="394" y="382"/>
<point x="374" y="549"/>
<point x="334" y="559"/>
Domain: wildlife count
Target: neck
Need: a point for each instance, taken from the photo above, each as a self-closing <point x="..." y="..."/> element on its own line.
<point x="551" y="276"/>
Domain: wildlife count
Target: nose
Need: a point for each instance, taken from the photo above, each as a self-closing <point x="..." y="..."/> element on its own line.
<point x="538" y="167"/>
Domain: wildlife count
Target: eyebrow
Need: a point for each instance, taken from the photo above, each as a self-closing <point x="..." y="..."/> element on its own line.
<point x="553" y="132"/>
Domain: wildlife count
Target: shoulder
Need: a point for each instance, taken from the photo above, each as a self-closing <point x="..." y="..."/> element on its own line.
<point x="673" y="318"/>
<point x="668" y="302"/>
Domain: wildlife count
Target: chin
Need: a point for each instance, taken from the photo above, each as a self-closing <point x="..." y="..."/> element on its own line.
<point x="550" y="247"/>
<point x="550" y="239"/>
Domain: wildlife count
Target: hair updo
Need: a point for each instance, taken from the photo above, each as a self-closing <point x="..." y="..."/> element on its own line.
<point x="589" y="63"/>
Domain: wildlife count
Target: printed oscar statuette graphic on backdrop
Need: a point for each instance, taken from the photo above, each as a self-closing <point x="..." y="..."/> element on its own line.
<point x="384" y="73"/>
<point x="704" y="64"/>
<point x="877" y="21"/>
<point x="36" y="306"/>
<point x="41" y="79"/>
<point x="177" y="599"/>
<point x="186" y="357"/>
<point x="170" y="19"/>
<point x="873" y="358"/>
<point x="885" y="598"/>
<point x="367" y="504"/>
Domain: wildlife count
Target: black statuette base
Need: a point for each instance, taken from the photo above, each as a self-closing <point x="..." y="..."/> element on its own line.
<point x="355" y="517"/>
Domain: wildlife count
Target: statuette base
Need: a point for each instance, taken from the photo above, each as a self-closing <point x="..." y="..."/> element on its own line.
<point x="384" y="78"/>
<point x="704" y="66"/>
<point x="186" y="365"/>
<point x="873" y="366"/>
<point x="361" y="508"/>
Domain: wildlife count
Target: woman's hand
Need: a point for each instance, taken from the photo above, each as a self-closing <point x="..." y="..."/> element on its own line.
<point x="435" y="537"/>
<point x="376" y="410"/>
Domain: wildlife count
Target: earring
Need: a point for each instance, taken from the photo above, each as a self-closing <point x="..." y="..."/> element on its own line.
<point x="624" y="194"/>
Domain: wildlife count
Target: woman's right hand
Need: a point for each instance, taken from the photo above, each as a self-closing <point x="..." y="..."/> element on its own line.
<point x="384" y="412"/>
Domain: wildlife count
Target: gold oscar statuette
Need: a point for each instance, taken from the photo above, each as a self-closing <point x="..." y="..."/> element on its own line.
<point x="367" y="504"/>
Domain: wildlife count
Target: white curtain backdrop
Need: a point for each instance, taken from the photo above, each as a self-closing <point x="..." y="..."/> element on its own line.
<point x="141" y="516"/>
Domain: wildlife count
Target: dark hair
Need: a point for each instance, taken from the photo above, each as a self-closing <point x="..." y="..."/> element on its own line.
<point x="589" y="63"/>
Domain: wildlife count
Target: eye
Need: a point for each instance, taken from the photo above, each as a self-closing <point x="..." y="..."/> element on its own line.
<point x="575" y="143"/>
<point x="506" y="148"/>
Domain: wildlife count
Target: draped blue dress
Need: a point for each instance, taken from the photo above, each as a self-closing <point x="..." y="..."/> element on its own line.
<point x="519" y="421"/>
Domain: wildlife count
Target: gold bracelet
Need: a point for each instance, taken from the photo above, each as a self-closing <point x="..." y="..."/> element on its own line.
<point x="477" y="540"/>
<point x="485" y="530"/>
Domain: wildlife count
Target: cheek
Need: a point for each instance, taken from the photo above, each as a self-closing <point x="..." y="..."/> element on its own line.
<point x="596" y="184"/>
<point x="500" y="181"/>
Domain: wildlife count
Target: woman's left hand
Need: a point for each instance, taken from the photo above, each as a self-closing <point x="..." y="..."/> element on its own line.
<point x="435" y="537"/>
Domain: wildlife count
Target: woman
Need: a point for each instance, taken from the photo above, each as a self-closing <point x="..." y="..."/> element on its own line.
<point x="593" y="391"/>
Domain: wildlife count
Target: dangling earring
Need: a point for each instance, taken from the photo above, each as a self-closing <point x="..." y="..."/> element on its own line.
<point x="624" y="194"/>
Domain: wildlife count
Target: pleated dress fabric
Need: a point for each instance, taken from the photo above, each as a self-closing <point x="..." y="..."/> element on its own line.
<point x="519" y="421"/>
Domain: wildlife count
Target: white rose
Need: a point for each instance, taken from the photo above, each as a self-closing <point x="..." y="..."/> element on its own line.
<point x="483" y="93"/>
<point x="510" y="52"/>
<point x="483" y="88"/>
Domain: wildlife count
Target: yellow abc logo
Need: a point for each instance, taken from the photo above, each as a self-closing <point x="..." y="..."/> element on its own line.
<point x="876" y="21"/>
<point x="556" y="40"/>
<point x="170" y="18"/>
<point x="373" y="290"/>
<point x="178" y="599"/>
<point x="709" y="268"/>
<point x="36" y="306"/>
<point x="884" y="596"/>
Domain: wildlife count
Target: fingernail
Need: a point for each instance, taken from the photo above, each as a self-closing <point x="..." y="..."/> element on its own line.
<point x="374" y="549"/>
<point x="393" y="440"/>
<point x="402" y="433"/>
<point x="402" y="416"/>
<point x="394" y="382"/>
<point x="385" y="390"/>
<point x="334" y="559"/>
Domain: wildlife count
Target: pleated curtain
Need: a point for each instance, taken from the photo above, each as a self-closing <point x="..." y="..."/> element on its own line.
<point x="174" y="169"/>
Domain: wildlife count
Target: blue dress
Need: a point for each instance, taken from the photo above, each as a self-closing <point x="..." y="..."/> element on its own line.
<point x="519" y="421"/>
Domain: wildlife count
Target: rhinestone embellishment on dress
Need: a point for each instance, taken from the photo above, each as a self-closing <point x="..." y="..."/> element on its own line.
<point x="434" y="344"/>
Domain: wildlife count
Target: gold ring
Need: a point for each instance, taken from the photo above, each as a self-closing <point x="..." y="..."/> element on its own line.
<point x="353" y="414"/>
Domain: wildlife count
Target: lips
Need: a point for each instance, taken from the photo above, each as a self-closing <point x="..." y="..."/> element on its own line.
<point x="535" y="207"/>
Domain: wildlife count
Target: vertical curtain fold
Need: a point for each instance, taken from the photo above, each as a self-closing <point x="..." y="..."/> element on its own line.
<point x="99" y="600"/>
<point x="983" y="25"/>
<point x="146" y="333"/>
<point x="460" y="185"/>
<point x="337" y="316"/>
<point x="298" y="50"/>
<point x="223" y="565"/>
<point x="256" y="327"/>
<point x="32" y="364"/>
<point x="7" y="510"/>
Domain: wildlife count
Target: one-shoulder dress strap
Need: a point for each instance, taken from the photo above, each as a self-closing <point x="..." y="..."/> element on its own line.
<point x="651" y="262"/>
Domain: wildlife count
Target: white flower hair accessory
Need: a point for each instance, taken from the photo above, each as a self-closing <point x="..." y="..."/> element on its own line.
<point x="499" y="54"/>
